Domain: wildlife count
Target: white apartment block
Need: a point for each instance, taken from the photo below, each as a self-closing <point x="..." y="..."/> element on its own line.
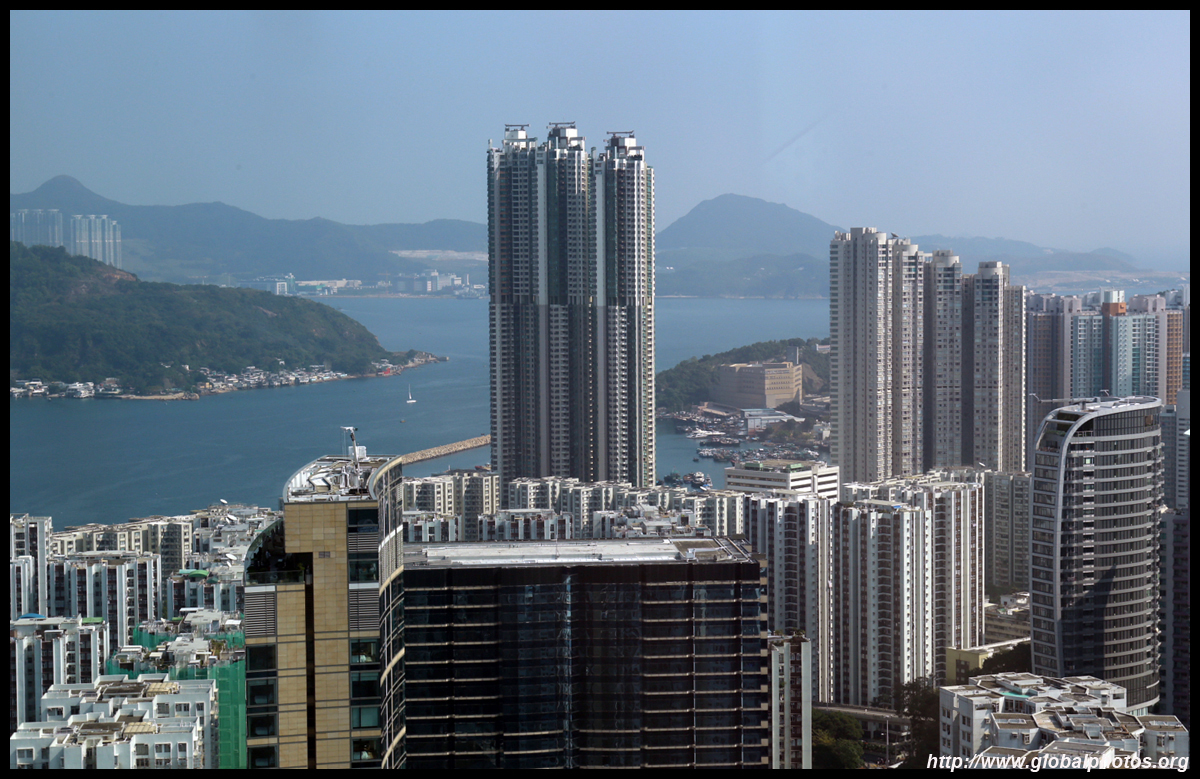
<point x="791" y="702"/>
<point x="120" y="723"/>
<point x="170" y="537"/>
<point x="772" y="475"/>
<point x="876" y="311"/>
<point x="1016" y="713"/>
<point x="955" y="549"/>
<point x="994" y="370"/>
<point x="51" y="650"/>
<point x="28" y="537"/>
<point x="122" y="588"/>
<point x="883" y="581"/>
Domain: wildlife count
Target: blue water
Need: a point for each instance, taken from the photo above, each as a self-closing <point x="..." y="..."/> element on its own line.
<point x="83" y="461"/>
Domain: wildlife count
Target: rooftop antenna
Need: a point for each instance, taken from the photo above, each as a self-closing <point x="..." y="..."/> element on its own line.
<point x="353" y="443"/>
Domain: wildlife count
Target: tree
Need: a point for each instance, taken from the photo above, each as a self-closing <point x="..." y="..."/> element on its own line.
<point x="918" y="701"/>
<point x="1019" y="659"/>
<point x="837" y="740"/>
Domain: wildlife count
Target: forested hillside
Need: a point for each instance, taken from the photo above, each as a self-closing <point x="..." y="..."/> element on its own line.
<point x="75" y="319"/>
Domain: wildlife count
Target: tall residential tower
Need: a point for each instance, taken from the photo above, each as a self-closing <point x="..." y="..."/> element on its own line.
<point x="571" y="274"/>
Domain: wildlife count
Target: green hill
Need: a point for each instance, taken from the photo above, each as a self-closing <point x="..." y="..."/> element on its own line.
<point x="745" y="226"/>
<point x="75" y="319"/>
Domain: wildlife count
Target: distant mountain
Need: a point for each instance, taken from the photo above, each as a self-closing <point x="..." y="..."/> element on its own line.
<point x="207" y="240"/>
<point x="75" y="319"/>
<point x="1025" y="258"/>
<point x="743" y="226"/>
<point x="980" y="247"/>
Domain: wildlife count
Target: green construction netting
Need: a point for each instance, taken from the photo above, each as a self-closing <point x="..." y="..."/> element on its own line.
<point x="150" y="640"/>
<point x="231" y="691"/>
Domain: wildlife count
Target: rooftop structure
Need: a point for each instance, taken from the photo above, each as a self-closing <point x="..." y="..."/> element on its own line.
<point x="965" y="709"/>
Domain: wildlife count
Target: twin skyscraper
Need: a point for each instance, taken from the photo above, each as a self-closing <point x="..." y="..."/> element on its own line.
<point x="571" y="273"/>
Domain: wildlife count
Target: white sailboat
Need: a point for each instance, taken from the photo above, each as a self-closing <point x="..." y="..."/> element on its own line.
<point x="410" y="397"/>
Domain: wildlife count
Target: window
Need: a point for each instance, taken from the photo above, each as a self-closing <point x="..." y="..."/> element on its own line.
<point x="260" y="658"/>
<point x="261" y="725"/>
<point x="263" y="757"/>
<point x="364" y="650"/>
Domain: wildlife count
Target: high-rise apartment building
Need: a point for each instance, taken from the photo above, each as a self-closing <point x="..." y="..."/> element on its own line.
<point x="123" y="588"/>
<point x="791" y="702"/>
<point x="50" y="650"/>
<point x="876" y="310"/>
<point x="571" y="272"/>
<point x="944" y="353"/>
<point x="882" y="582"/>
<point x="648" y="653"/>
<point x="33" y="226"/>
<point x="1175" y="616"/>
<point x="993" y="370"/>
<point x="28" y="537"/>
<point x="1096" y="504"/>
<point x="927" y="363"/>
<point x="98" y="237"/>
<point x="1099" y="344"/>
<point x="1177" y="452"/>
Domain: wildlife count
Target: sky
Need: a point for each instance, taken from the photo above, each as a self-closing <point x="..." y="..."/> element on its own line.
<point x="1070" y="130"/>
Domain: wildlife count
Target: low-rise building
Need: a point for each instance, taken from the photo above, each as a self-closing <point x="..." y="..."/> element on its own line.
<point x="965" y="724"/>
<point x="759" y="384"/>
<point x="116" y="722"/>
<point x="767" y="476"/>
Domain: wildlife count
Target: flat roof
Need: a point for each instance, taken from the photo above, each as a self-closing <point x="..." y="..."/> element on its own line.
<point x="573" y="552"/>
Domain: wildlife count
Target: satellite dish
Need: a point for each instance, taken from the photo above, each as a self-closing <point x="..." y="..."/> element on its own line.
<point x="224" y="502"/>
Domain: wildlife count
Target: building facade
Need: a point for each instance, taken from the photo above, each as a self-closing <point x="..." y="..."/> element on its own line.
<point x="927" y="364"/>
<point x="1096" y="505"/>
<point x="759" y="385"/>
<point x="312" y="619"/>
<point x="791" y="702"/>
<point x="51" y="650"/>
<point x="876" y="311"/>
<point x="33" y="226"/>
<point x="586" y="654"/>
<point x="571" y="272"/>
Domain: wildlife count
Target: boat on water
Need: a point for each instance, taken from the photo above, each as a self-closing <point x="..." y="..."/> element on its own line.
<point x="410" y="397"/>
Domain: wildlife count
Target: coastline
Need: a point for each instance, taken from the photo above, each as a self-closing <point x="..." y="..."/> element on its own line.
<point x="182" y="395"/>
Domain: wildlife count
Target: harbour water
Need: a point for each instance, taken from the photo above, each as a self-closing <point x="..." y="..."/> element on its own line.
<point x="83" y="461"/>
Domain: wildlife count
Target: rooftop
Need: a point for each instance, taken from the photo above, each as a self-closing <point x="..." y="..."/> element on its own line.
<point x="575" y="552"/>
<point x="337" y="477"/>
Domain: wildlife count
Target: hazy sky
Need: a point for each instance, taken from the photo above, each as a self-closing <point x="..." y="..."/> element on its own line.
<point x="1070" y="130"/>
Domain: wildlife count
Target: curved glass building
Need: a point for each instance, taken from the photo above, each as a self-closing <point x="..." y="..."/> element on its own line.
<point x="1096" y="501"/>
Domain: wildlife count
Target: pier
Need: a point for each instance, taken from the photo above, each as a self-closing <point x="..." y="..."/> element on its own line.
<point x="442" y="451"/>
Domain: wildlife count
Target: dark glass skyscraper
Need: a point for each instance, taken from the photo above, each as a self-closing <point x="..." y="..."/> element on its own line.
<point x="585" y="654"/>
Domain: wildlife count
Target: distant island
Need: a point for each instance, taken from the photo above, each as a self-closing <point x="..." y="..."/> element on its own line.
<point x="75" y="320"/>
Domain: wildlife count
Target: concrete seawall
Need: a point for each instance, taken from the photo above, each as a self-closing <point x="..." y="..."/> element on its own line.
<point x="442" y="451"/>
